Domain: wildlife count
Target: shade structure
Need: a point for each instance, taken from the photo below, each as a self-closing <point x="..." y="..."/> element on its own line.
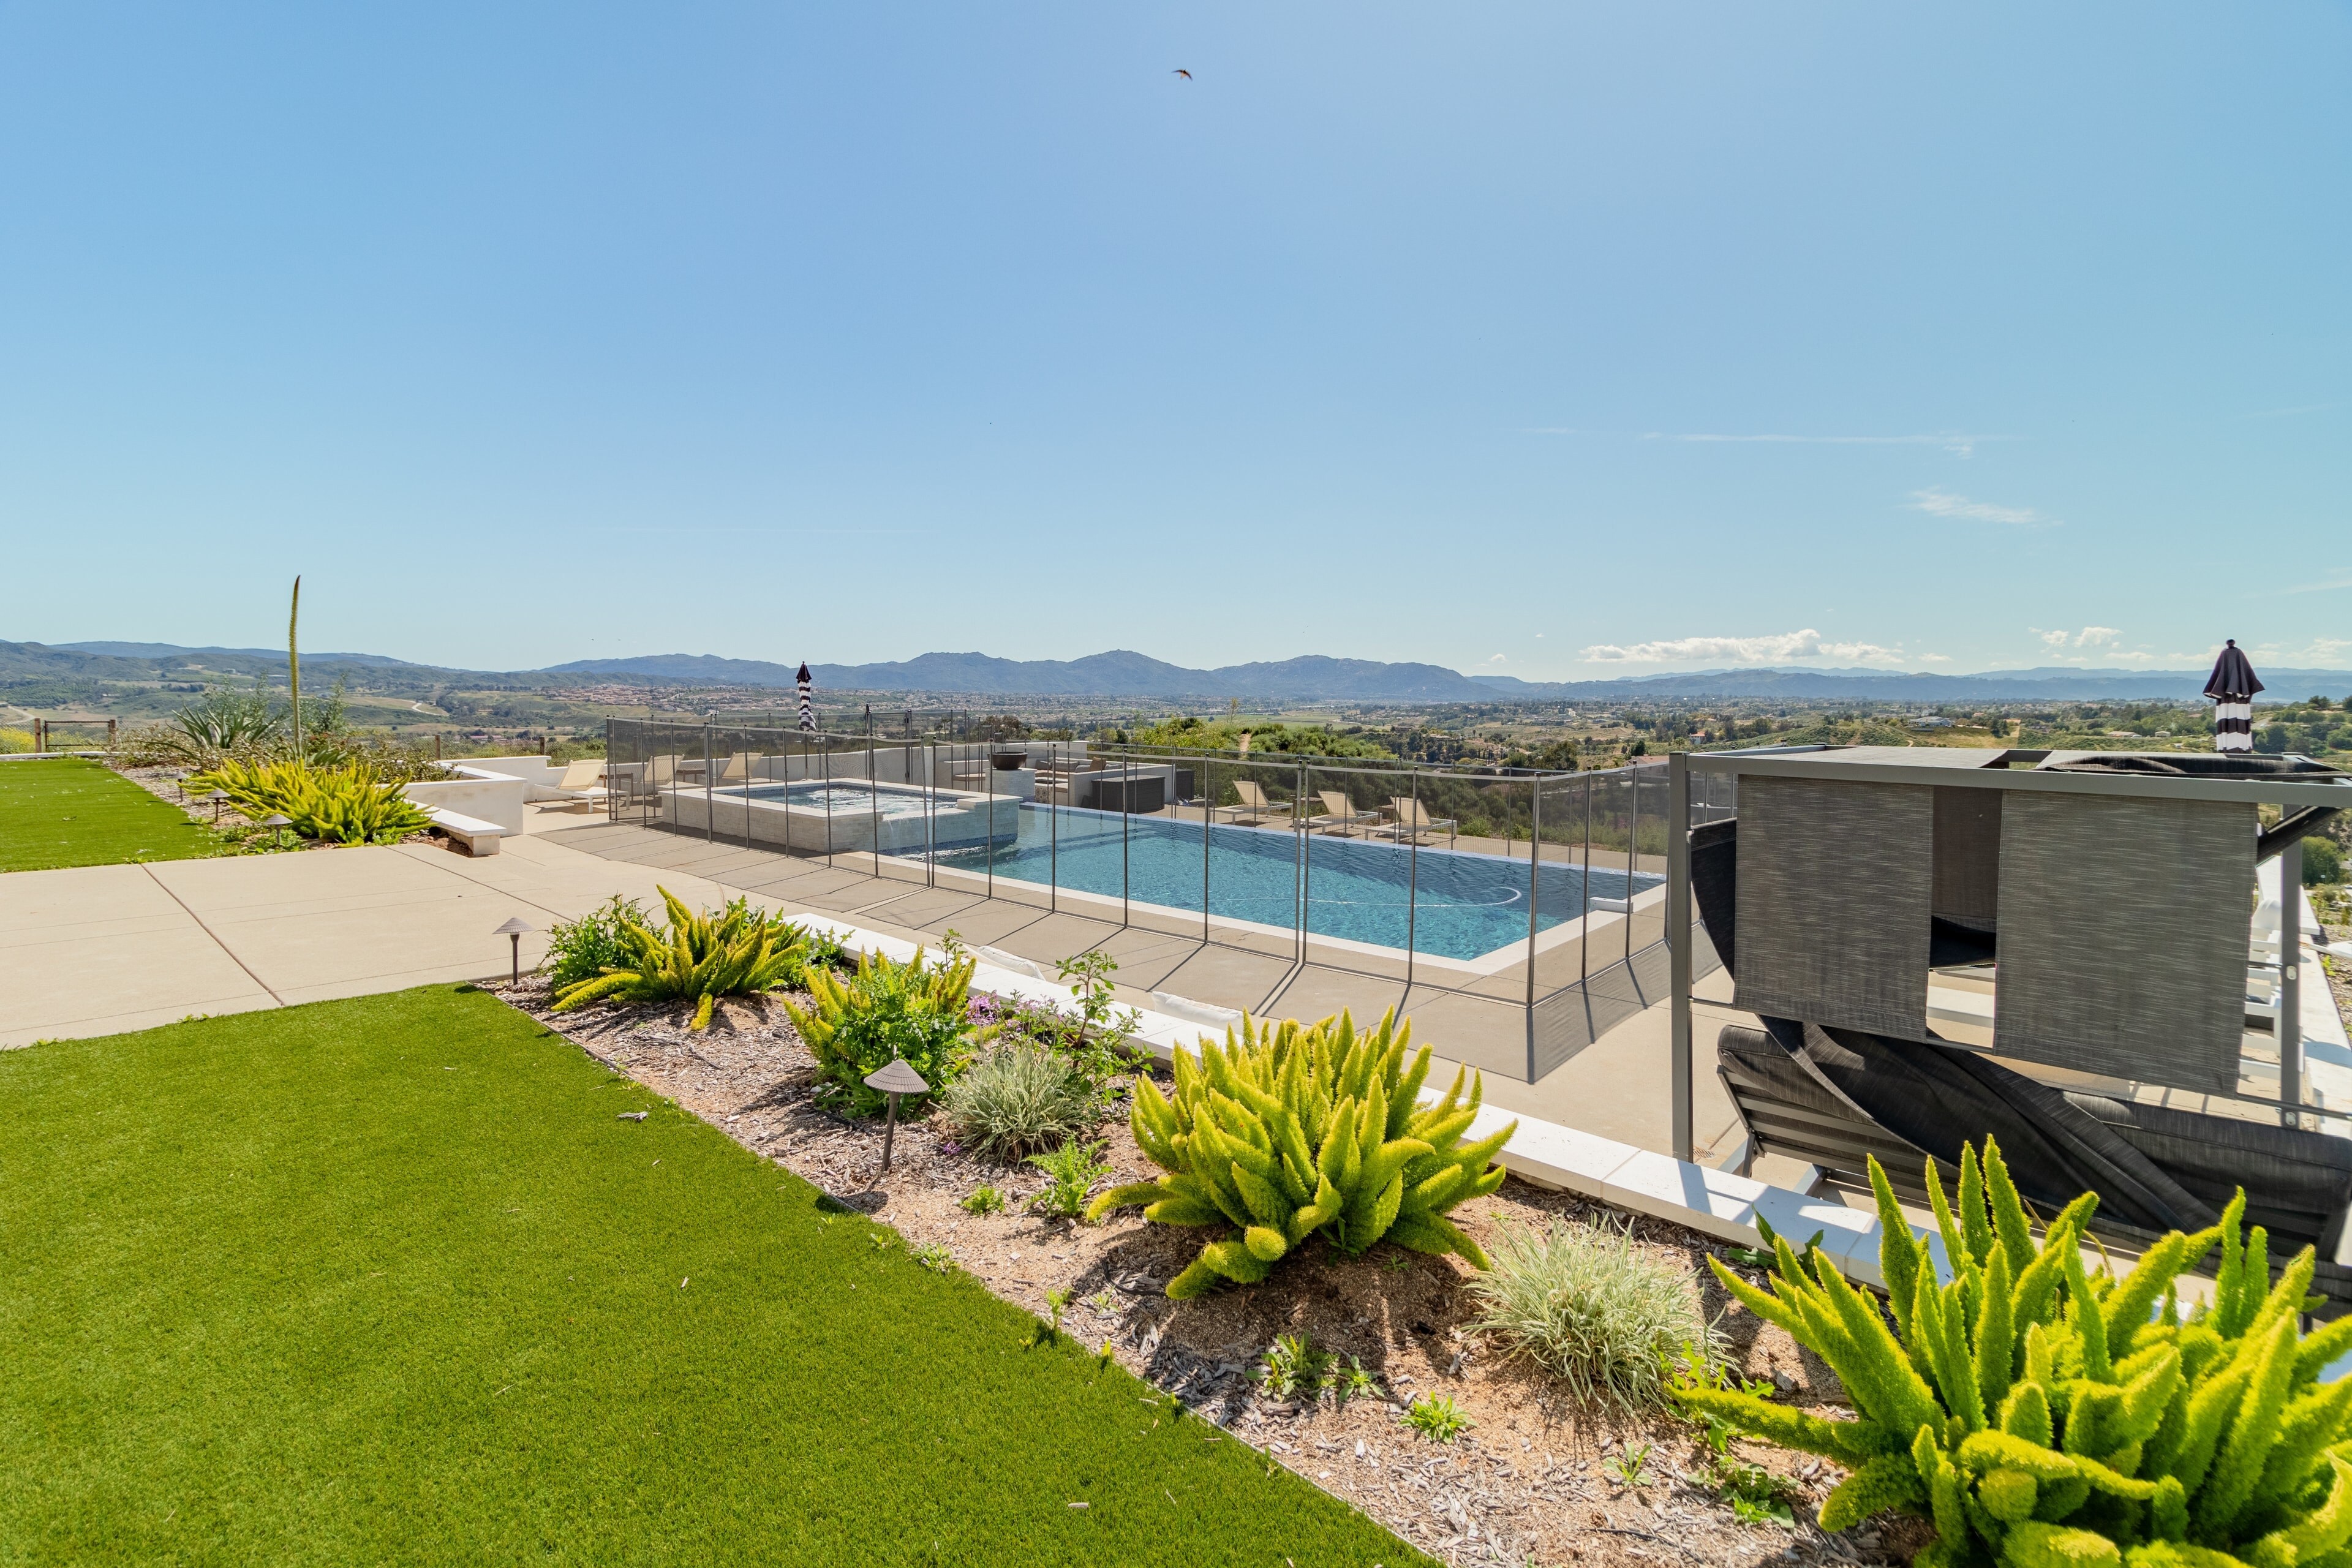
<point x="2231" y="686"/>
<point x="808" y="708"/>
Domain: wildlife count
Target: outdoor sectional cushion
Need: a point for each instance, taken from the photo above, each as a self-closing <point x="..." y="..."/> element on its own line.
<point x="1833" y="1097"/>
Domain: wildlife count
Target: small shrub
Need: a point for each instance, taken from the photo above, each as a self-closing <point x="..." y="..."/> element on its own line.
<point x="1292" y="1131"/>
<point x="934" y="1257"/>
<point x="14" y="741"/>
<point x="1100" y="1048"/>
<point x="1072" y="1172"/>
<point x="858" y="1025"/>
<point x="741" y="952"/>
<point x="2322" y="861"/>
<point x="1587" y="1305"/>
<point x="598" y="940"/>
<point x="1017" y="1099"/>
<point x="1435" y="1417"/>
<point x="983" y="1200"/>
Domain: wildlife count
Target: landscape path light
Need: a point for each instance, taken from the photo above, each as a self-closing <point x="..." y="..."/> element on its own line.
<point x="897" y="1078"/>
<point x="217" y="796"/>
<point x="514" y="930"/>
<point x="280" y="822"/>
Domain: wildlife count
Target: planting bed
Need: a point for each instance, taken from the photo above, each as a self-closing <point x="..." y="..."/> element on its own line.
<point x="1533" y="1480"/>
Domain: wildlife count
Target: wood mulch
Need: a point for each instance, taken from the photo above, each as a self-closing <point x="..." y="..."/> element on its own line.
<point x="1534" y="1480"/>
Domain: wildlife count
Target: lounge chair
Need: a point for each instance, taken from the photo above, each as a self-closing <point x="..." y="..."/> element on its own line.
<point x="1339" y="814"/>
<point x="1413" y="820"/>
<point x="737" y="769"/>
<point x="584" y="781"/>
<point x="1255" y="805"/>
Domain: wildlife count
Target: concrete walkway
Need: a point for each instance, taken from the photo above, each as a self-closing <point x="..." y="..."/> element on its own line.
<point x="97" y="950"/>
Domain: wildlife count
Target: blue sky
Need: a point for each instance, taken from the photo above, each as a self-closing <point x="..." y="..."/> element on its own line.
<point x="1544" y="340"/>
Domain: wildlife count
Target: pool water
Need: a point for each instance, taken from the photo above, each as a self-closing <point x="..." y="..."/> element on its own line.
<point x="1464" y="905"/>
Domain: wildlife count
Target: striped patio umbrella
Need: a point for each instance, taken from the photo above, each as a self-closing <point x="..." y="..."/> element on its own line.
<point x="808" y="708"/>
<point x="2233" y="687"/>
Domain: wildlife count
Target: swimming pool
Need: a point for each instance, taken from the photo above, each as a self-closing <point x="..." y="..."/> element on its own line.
<point x="1464" y="906"/>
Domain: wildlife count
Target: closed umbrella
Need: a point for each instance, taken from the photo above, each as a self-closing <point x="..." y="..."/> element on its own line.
<point x="2233" y="687"/>
<point x="808" y="708"/>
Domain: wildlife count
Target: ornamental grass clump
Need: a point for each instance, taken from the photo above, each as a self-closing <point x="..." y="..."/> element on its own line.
<point x="341" y="805"/>
<point x="2045" y="1415"/>
<point x="855" y="1026"/>
<point x="741" y="952"/>
<point x="1017" y="1097"/>
<point x="1587" y="1305"/>
<point x="1293" y="1131"/>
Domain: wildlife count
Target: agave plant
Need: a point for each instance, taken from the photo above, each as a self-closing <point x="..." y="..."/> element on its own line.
<point x="741" y="952"/>
<point x="343" y="806"/>
<point x="1289" y="1132"/>
<point x="2045" y="1415"/>
<point x="219" y="726"/>
<point x="856" y="1024"/>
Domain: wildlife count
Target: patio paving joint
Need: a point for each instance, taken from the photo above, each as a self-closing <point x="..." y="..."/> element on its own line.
<point x="208" y="931"/>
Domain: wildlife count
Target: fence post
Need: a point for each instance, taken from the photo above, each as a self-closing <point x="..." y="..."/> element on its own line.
<point x="2290" y="1013"/>
<point x="1535" y="860"/>
<point x="1678" y="950"/>
<point x="710" y="803"/>
<point x="1633" y="853"/>
<point x="1412" y="881"/>
<point x="1208" y="813"/>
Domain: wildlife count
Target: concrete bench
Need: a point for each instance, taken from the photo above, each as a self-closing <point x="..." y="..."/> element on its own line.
<point x="479" y="837"/>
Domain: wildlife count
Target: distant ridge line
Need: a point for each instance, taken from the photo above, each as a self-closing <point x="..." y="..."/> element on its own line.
<point x="1122" y="673"/>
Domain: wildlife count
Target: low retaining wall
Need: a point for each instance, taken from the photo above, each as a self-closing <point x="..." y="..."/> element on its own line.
<point x="493" y="797"/>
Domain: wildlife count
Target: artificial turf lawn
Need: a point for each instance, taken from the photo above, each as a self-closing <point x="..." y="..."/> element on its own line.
<point x="388" y="1280"/>
<point x="68" y="811"/>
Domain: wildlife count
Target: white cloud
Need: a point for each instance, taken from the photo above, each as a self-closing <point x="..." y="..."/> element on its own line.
<point x="2104" y="638"/>
<point x="2319" y="650"/>
<point x="1496" y="659"/>
<point x="1944" y="503"/>
<point x="1950" y="440"/>
<point x="1806" y="644"/>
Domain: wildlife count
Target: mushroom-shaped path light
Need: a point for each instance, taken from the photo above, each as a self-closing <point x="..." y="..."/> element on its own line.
<point x="278" y="822"/>
<point x="515" y="931"/>
<point x="897" y="1078"/>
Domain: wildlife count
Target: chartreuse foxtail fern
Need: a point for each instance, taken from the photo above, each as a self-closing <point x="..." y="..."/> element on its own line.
<point x="341" y="805"/>
<point x="2044" y="1415"/>
<point x="1289" y="1131"/>
<point x="741" y="952"/>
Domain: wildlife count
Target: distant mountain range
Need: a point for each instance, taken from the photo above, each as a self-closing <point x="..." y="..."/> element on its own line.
<point x="1316" y="679"/>
<point x="1121" y="673"/>
<point x="1116" y="674"/>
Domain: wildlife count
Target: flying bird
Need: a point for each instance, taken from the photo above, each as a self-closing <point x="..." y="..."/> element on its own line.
<point x="1179" y="70"/>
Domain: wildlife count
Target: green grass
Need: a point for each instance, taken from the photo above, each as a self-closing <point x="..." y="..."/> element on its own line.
<point x="73" y="812"/>
<point x="385" y="1280"/>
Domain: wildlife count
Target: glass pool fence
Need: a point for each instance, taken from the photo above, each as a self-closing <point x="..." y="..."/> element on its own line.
<point x="1542" y="890"/>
